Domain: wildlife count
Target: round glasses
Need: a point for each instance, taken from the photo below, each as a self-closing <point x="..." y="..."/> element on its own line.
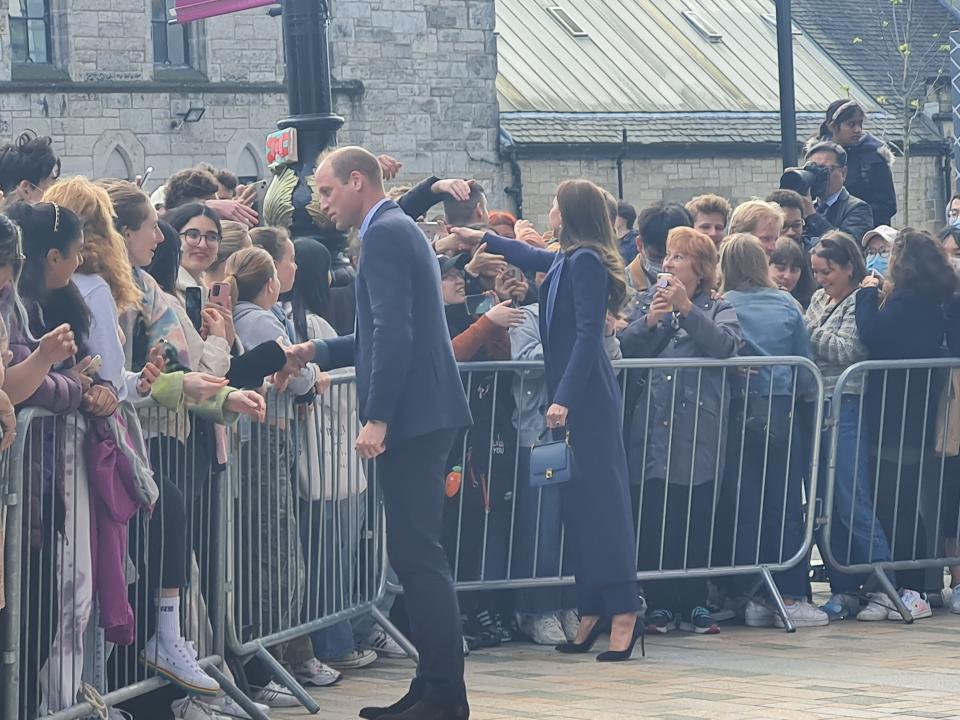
<point x="194" y="236"/>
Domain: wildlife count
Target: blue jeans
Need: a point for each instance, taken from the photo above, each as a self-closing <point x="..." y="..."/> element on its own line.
<point x="856" y="535"/>
<point x="537" y="533"/>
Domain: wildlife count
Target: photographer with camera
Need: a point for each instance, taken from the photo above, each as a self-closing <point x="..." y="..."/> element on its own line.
<point x="827" y="204"/>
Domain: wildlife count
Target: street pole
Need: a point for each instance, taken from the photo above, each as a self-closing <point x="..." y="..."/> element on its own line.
<point x="788" y="105"/>
<point x="310" y="99"/>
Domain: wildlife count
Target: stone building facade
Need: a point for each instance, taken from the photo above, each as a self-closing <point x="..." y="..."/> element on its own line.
<point x="413" y="78"/>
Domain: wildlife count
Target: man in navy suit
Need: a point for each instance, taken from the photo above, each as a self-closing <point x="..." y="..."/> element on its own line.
<point x="411" y="405"/>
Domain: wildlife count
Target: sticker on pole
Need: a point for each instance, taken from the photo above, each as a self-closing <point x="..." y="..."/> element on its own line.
<point x="189" y="10"/>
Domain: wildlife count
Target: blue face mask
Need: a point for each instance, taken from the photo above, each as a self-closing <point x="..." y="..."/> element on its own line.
<point x="955" y="222"/>
<point x="878" y="263"/>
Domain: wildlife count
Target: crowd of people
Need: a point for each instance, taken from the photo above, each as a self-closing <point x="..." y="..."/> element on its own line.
<point x="195" y="296"/>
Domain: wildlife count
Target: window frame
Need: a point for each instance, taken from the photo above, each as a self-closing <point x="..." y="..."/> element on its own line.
<point x="47" y="19"/>
<point x="157" y="24"/>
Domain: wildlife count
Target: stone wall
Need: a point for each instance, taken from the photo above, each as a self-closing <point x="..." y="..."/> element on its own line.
<point x="648" y="180"/>
<point x="429" y="74"/>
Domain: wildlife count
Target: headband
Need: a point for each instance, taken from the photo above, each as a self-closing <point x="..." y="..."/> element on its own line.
<point x="846" y="106"/>
<point x="56" y="217"/>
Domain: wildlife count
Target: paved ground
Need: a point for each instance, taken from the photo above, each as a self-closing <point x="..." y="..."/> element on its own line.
<point x="848" y="670"/>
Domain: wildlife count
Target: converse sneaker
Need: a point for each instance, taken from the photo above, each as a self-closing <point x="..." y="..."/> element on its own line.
<point x="542" y="628"/>
<point x="382" y="644"/>
<point x="955" y="600"/>
<point x="504" y="626"/>
<point x="841" y="606"/>
<point x="313" y="672"/>
<point x="758" y="614"/>
<point x="226" y="705"/>
<point x="275" y="695"/>
<point x="354" y="660"/>
<point x="700" y="622"/>
<point x="177" y="662"/>
<point x="661" y="621"/>
<point x="803" y="614"/>
<point x="190" y="708"/>
<point x="916" y="603"/>
<point x="877" y="608"/>
<point x="570" y="622"/>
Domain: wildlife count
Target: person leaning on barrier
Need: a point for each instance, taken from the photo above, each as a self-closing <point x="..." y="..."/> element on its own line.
<point x="902" y="318"/>
<point x="678" y="423"/>
<point x="766" y="441"/>
<point x="856" y="536"/>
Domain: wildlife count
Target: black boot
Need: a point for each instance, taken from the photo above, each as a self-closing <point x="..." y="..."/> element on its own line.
<point x="405" y="703"/>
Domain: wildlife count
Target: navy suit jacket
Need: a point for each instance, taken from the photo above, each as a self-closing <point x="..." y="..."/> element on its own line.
<point x="406" y="374"/>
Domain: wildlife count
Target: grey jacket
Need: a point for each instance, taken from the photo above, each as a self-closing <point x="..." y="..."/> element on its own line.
<point x="679" y="417"/>
<point x="530" y="389"/>
<point x="254" y="325"/>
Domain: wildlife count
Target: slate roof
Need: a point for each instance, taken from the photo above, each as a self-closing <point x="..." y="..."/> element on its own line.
<point x="679" y="129"/>
<point x="872" y="60"/>
<point x="655" y="56"/>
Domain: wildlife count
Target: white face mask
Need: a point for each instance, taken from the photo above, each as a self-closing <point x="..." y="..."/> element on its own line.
<point x="954" y="222"/>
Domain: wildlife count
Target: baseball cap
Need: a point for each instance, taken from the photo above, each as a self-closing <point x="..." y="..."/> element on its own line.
<point x="449" y="263"/>
<point x="882" y="231"/>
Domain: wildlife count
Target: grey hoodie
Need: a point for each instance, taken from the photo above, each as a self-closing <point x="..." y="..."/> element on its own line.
<point x="254" y="325"/>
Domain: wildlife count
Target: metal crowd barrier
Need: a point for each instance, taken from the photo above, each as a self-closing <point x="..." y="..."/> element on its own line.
<point x="308" y="525"/>
<point x="48" y="569"/>
<point x="723" y="463"/>
<point x="892" y="480"/>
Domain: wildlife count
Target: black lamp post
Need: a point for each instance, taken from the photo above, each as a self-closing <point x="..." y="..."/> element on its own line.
<point x="310" y="101"/>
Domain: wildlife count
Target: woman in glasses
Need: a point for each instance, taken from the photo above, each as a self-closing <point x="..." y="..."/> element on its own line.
<point x="200" y="237"/>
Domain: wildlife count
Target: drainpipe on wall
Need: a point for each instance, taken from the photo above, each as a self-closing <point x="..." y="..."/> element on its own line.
<point x="620" y="157"/>
<point x="514" y="191"/>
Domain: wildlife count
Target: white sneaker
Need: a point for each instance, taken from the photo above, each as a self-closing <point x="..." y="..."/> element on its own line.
<point x="355" y="659"/>
<point x="803" y="614"/>
<point x="226" y="705"/>
<point x="275" y="695"/>
<point x="955" y="600"/>
<point x="916" y="603"/>
<point x="383" y="645"/>
<point x="758" y="614"/>
<point x="178" y="663"/>
<point x="570" y="622"/>
<point x="313" y="672"/>
<point x="542" y="628"/>
<point x="877" y="609"/>
<point x="190" y="708"/>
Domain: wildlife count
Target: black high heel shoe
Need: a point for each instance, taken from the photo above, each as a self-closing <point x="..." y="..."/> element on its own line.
<point x="622" y="655"/>
<point x="574" y="648"/>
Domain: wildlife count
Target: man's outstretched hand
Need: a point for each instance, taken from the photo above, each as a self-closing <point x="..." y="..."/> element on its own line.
<point x="297" y="358"/>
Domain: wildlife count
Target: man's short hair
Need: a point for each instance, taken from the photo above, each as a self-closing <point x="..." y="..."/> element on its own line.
<point x="227" y="179"/>
<point x="833" y="147"/>
<point x="628" y="213"/>
<point x="751" y="213"/>
<point x="190" y="185"/>
<point x="786" y="199"/>
<point x="656" y="221"/>
<point x="346" y="160"/>
<point x="463" y="212"/>
<point x="709" y="204"/>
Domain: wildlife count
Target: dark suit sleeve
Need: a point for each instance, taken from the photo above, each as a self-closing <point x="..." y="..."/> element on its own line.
<point x="857" y="222"/>
<point x="589" y="282"/>
<point x="517" y="252"/>
<point x="389" y="269"/>
<point x="418" y="200"/>
<point x="334" y="353"/>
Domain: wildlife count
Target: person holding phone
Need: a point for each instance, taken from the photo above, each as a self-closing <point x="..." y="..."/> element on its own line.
<point x="585" y="280"/>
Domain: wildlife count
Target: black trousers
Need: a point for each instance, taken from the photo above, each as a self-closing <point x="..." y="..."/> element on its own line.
<point x="410" y="474"/>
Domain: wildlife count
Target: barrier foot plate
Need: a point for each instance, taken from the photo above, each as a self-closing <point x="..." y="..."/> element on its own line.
<point x="391" y="630"/>
<point x="234" y="692"/>
<point x="774" y="591"/>
<point x="287" y="680"/>
<point x="892" y="593"/>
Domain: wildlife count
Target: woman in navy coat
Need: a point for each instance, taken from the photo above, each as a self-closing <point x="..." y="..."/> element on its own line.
<point x="585" y="280"/>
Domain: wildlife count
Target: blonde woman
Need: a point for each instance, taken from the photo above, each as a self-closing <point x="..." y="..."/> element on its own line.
<point x="764" y="431"/>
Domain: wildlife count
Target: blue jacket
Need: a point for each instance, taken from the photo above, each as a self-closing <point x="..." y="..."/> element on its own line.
<point x="772" y="325"/>
<point x="406" y="373"/>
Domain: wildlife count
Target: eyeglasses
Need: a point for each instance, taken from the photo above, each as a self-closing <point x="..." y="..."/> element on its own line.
<point x="194" y="236"/>
<point x="871" y="252"/>
<point x="798" y="225"/>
